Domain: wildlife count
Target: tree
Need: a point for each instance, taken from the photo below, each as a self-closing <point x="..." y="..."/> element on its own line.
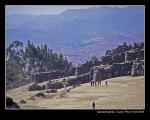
<point x="13" y="71"/>
<point x="94" y="60"/>
<point x="130" y="47"/>
<point x="108" y="52"/>
<point x="124" y="44"/>
<point x="135" y="45"/>
<point x="141" y="45"/>
<point x="17" y="44"/>
<point x="15" y="53"/>
<point x="35" y="58"/>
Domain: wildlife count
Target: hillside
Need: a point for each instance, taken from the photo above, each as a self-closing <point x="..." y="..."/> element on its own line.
<point x="79" y="33"/>
<point x="121" y="93"/>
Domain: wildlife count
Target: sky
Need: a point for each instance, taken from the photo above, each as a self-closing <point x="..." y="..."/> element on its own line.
<point x="45" y="9"/>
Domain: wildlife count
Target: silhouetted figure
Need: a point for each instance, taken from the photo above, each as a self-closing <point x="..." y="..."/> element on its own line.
<point x="106" y="82"/>
<point x="95" y="83"/>
<point x="91" y="83"/>
<point x="99" y="83"/>
<point x="93" y="105"/>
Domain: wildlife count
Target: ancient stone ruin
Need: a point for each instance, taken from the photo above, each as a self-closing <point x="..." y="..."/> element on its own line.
<point x="133" y="54"/>
<point x="124" y="63"/>
<point x="133" y="68"/>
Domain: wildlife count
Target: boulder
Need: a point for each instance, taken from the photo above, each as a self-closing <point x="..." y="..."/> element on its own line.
<point x="35" y="86"/>
<point x="23" y="101"/>
<point x="10" y="103"/>
<point x="41" y="94"/>
<point x="52" y="91"/>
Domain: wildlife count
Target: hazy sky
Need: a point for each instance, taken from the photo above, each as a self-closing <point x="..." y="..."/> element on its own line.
<point x="44" y="9"/>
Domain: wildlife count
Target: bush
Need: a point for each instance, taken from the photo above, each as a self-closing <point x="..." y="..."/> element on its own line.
<point x="41" y="94"/>
<point x="51" y="91"/>
<point x="23" y="101"/>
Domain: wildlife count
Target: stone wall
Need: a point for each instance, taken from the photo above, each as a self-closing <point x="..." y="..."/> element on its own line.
<point x="133" y="54"/>
<point x="114" y="70"/>
<point x="35" y="86"/>
<point x="98" y="73"/>
<point x="80" y="79"/>
<point x="107" y="59"/>
<point x="137" y="68"/>
<point x="45" y="76"/>
<point x="124" y="56"/>
<point x="121" y="69"/>
<point x="126" y="65"/>
<point x="48" y="85"/>
<point x="102" y="72"/>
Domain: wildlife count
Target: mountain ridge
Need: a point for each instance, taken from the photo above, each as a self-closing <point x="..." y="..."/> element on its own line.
<point x="79" y="29"/>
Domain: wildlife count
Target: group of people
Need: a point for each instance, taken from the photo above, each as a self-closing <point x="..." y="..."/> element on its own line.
<point x="93" y="83"/>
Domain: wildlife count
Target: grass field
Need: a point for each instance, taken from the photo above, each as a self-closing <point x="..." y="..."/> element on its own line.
<point x="121" y="93"/>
